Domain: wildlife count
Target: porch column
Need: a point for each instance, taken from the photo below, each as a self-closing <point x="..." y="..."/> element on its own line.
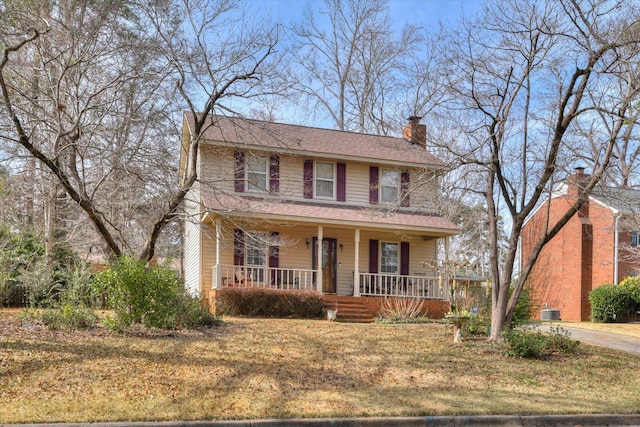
<point x="319" y="260"/>
<point x="446" y="263"/>
<point x="217" y="279"/>
<point x="356" y="270"/>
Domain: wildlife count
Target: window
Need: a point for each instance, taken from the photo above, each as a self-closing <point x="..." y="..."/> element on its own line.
<point x="325" y="180"/>
<point x="635" y="239"/>
<point x="256" y="249"/>
<point x="389" y="258"/>
<point x="389" y="186"/>
<point x="257" y="173"/>
<point x="256" y="256"/>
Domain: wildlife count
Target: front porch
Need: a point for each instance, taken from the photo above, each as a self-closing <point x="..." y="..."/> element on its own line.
<point x="362" y="284"/>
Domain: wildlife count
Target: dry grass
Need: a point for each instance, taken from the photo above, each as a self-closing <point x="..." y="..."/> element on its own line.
<point x="265" y="368"/>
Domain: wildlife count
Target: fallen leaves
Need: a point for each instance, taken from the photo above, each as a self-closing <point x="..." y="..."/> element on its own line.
<point x="264" y="368"/>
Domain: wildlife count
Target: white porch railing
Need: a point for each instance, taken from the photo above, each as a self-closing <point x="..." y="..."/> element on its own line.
<point x="262" y="277"/>
<point x="394" y="285"/>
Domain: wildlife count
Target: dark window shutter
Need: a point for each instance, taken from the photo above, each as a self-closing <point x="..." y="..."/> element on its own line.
<point x="342" y="182"/>
<point x="404" y="188"/>
<point x="308" y="179"/>
<point x="239" y="172"/>
<point x="373" y="185"/>
<point x="274" y="258"/>
<point x="373" y="256"/>
<point x="404" y="258"/>
<point x="274" y="250"/>
<point x="238" y="247"/>
<point x="274" y="174"/>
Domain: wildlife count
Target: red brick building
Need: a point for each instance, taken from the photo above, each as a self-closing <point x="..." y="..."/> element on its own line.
<point x="598" y="245"/>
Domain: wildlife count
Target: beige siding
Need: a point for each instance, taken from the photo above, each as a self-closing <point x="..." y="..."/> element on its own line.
<point x="291" y="176"/>
<point x="358" y="184"/>
<point x="423" y="190"/>
<point x="192" y="242"/>
<point x="217" y="168"/>
<point x="208" y="255"/>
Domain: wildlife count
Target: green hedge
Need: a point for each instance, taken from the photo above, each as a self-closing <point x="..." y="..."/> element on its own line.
<point x="610" y="303"/>
<point x="632" y="285"/>
<point x="269" y="303"/>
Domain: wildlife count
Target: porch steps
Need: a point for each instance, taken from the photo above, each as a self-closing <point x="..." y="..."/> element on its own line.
<point x="350" y="309"/>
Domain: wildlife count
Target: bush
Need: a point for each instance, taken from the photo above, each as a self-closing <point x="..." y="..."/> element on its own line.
<point x="402" y="309"/>
<point x="153" y="296"/>
<point x="632" y="285"/>
<point x="478" y="325"/>
<point x="533" y="344"/>
<point x="522" y="313"/>
<point x="269" y="303"/>
<point x="610" y="303"/>
<point x="69" y="316"/>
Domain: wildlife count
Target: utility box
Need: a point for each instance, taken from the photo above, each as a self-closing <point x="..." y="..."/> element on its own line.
<point x="549" y="314"/>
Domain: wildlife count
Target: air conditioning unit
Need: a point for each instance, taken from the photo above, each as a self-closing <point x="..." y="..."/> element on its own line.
<point x="549" y="314"/>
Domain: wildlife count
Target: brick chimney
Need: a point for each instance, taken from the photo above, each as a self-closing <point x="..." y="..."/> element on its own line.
<point x="414" y="132"/>
<point x="577" y="182"/>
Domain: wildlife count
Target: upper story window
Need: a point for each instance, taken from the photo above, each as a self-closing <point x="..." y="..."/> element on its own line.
<point x="325" y="180"/>
<point x="389" y="186"/>
<point x="257" y="171"/>
<point x="635" y="239"/>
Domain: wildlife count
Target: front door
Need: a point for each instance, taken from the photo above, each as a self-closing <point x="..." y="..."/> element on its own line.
<point x="329" y="263"/>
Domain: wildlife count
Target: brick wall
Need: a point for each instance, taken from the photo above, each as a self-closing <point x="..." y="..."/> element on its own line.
<point x="576" y="261"/>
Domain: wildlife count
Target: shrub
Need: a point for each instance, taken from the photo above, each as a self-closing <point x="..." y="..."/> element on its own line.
<point x="610" y="303"/>
<point x="526" y="343"/>
<point x="69" y="316"/>
<point x="632" y="285"/>
<point x="478" y="325"/>
<point x="522" y="313"/>
<point x="401" y="309"/>
<point x="533" y="344"/>
<point x="269" y="303"/>
<point x="152" y="296"/>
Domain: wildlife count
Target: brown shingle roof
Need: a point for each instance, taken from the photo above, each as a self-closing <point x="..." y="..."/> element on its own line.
<point x="235" y="131"/>
<point x="330" y="214"/>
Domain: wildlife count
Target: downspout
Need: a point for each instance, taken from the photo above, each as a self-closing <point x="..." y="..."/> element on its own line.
<point x="616" y="239"/>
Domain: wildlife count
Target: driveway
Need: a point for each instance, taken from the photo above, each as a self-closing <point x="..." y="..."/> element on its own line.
<point x="602" y="339"/>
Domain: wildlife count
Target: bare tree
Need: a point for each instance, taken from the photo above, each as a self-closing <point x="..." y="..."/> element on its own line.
<point x="95" y="93"/>
<point x="351" y="66"/>
<point x="527" y="80"/>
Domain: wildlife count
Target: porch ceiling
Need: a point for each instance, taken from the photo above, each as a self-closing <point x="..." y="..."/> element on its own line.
<point x="324" y="214"/>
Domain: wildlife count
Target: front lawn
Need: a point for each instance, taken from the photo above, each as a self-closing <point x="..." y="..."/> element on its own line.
<point x="269" y="368"/>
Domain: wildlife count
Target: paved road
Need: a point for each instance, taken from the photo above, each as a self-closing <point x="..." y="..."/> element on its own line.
<point x="602" y="339"/>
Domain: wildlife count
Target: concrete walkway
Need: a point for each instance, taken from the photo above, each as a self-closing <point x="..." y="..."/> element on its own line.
<point x="602" y="339"/>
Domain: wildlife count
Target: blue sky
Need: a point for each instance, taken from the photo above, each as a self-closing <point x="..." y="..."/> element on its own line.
<point x="423" y="12"/>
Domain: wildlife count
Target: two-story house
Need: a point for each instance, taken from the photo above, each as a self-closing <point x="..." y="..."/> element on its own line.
<point x="295" y="207"/>
<point x="598" y="245"/>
